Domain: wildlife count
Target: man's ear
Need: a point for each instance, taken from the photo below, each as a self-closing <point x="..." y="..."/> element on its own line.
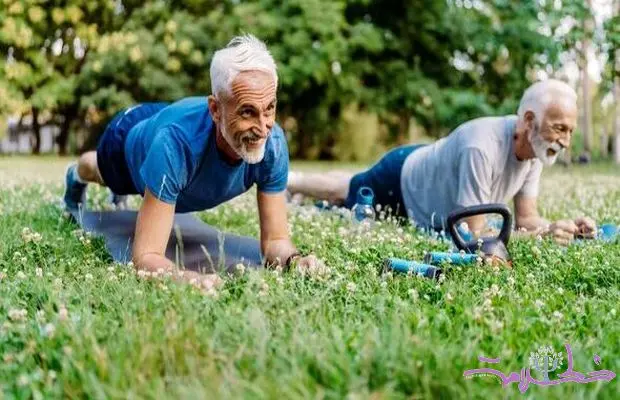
<point x="215" y="109"/>
<point x="529" y="117"/>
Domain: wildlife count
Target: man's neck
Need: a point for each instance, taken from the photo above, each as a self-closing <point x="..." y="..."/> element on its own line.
<point x="226" y="151"/>
<point x="522" y="147"/>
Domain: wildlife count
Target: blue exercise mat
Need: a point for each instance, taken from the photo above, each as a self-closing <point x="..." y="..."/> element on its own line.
<point x="185" y="246"/>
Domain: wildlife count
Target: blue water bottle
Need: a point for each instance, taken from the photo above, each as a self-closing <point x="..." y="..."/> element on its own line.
<point x="363" y="210"/>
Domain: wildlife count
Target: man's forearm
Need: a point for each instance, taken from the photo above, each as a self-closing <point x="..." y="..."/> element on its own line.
<point x="532" y="224"/>
<point x="278" y="251"/>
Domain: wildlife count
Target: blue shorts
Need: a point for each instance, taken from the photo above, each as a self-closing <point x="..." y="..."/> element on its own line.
<point x="384" y="180"/>
<point x="111" y="148"/>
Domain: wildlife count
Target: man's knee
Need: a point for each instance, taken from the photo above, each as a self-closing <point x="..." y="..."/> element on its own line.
<point x="88" y="168"/>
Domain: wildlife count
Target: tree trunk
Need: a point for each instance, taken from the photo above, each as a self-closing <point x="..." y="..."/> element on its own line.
<point x="62" y="140"/>
<point x="36" y="130"/>
<point x="604" y="140"/>
<point x="616" y="121"/>
<point x="404" y="121"/>
<point x="586" y="122"/>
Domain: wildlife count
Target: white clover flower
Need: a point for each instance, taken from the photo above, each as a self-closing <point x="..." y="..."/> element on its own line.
<point x="351" y="287"/>
<point x="63" y="313"/>
<point x="23" y="380"/>
<point x="18" y="314"/>
<point x="49" y="330"/>
<point x="21" y="275"/>
<point x="240" y="268"/>
<point x="487" y="304"/>
<point x="38" y="272"/>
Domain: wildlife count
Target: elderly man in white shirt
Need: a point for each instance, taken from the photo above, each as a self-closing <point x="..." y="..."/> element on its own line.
<point x="485" y="160"/>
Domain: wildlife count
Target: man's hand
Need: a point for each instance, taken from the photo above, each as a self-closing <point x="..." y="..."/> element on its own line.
<point x="562" y="232"/>
<point x="207" y="283"/>
<point x="309" y="265"/>
<point x="586" y="227"/>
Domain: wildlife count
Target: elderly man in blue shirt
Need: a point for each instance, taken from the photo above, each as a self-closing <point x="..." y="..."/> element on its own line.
<point x="197" y="153"/>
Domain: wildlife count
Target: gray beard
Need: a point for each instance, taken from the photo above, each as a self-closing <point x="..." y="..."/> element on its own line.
<point x="251" y="157"/>
<point x="541" y="146"/>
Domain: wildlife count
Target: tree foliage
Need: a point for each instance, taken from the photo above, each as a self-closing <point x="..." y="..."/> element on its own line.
<point x="439" y="63"/>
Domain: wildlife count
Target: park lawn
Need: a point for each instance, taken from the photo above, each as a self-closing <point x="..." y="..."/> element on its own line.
<point x="73" y="324"/>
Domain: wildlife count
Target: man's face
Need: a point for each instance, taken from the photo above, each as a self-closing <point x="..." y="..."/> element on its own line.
<point x="248" y="114"/>
<point x="552" y="133"/>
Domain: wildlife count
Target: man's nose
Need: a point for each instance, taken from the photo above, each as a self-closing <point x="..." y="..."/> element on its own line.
<point x="265" y="125"/>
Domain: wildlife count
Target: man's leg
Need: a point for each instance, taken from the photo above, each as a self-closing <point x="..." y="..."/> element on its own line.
<point x="77" y="177"/>
<point x="332" y="186"/>
<point x="341" y="188"/>
<point x="88" y="170"/>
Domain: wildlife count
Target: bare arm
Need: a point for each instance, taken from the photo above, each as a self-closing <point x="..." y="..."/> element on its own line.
<point x="527" y="217"/>
<point x="562" y="231"/>
<point x="153" y="228"/>
<point x="276" y="244"/>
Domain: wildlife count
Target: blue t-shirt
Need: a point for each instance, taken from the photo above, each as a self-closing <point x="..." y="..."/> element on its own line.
<point x="173" y="154"/>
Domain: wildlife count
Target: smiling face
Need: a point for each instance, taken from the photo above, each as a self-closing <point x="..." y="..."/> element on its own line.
<point x="552" y="133"/>
<point x="245" y="117"/>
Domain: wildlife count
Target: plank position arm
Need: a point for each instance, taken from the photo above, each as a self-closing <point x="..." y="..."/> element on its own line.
<point x="528" y="222"/>
<point x="153" y="227"/>
<point x="275" y="240"/>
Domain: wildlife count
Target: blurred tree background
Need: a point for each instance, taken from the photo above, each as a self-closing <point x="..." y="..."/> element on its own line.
<point x="356" y="76"/>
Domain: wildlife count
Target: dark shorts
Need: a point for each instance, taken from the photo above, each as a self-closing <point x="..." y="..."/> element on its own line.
<point x="384" y="180"/>
<point x="111" y="148"/>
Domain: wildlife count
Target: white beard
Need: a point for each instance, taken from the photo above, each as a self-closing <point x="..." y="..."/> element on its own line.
<point x="249" y="156"/>
<point x="541" y="146"/>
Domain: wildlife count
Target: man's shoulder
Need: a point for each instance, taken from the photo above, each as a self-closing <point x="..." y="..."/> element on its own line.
<point x="276" y="143"/>
<point x="488" y="134"/>
<point x="186" y="114"/>
<point x="487" y="125"/>
<point x="188" y="120"/>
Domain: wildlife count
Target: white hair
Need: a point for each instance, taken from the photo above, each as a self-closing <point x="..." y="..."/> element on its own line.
<point x="541" y="94"/>
<point x="243" y="53"/>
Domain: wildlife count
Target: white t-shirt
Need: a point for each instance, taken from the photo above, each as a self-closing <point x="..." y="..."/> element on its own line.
<point x="475" y="164"/>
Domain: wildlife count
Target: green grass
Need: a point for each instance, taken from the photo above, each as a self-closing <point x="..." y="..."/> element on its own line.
<point x="93" y="329"/>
